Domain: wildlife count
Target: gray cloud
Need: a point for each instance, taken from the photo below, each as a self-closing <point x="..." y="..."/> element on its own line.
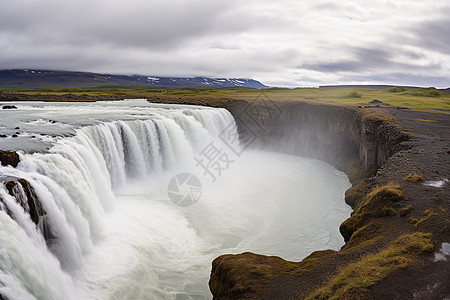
<point x="371" y="59"/>
<point x="329" y="41"/>
<point x="404" y="79"/>
<point x="434" y="35"/>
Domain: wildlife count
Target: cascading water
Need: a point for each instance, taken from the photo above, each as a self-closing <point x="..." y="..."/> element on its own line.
<point x="107" y="230"/>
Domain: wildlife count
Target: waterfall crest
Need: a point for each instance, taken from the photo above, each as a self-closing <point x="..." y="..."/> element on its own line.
<point x="50" y="224"/>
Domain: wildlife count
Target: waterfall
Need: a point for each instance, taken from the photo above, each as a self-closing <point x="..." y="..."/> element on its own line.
<point x="70" y="189"/>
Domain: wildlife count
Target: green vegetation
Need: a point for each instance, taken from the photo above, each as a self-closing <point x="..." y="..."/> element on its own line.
<point x="355" y="194"/>
<point x="396" y="89"/>
<point x="378" y="203"/>
<point x="414" y="98"/>
<point x="412" y="221"/>
<point x="406" y="210"/>
<point x="426" y="92"/>
<point x="355" y="280"/>
<point x="353" y="95"/>
<point x="414" y="178"/>
<point x="390" y="191"/>
<point x="425" y="216"/>
<point x="426" y="120"/>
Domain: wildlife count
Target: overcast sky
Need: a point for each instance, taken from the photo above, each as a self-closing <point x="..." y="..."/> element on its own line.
<point x="281" y="43"/>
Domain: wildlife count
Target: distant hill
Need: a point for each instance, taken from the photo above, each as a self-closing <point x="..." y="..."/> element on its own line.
<point x="380" y="86"/>
<point x="58" y="79"/>
<point x="447" y="90"/>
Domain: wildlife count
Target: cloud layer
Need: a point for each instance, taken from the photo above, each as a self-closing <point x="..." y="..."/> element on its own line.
<point x="283" y="43"/>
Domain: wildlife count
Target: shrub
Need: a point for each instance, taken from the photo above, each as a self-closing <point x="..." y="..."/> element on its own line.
<point x="353" y="95"/>
<point x="396" y="89"/>
<point x="427" y="92"/>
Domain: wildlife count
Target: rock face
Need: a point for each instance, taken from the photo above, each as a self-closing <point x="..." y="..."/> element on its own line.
<point x="9" y="107"/>
<point x="9" y="158"/>
<point x="24" y="194"/>
<point x="342" y="136"/>
<point x="237" y="283"/>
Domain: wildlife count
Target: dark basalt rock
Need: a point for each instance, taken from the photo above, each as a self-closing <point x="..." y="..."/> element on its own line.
<point x="1" y="296"/>
<point x="9" y="107"/>
<point x="9" y="158"/>
<point x="25" y="195"/>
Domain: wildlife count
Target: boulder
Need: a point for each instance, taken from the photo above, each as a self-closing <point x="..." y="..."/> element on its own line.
<point x="9" y="107"/>
<point x="9" y="158"/>
<point x="28" y="199"/>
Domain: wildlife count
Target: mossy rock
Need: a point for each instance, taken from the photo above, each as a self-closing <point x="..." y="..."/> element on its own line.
<point x="378" y="203"/>
<point x="243" y="275"/>
<point x="355" y="194"/>
<point x="248" y="275"/>
<point x="414" y="178"/>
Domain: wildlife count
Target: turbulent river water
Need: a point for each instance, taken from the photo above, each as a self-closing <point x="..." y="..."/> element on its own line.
<point x="102" y="172"/>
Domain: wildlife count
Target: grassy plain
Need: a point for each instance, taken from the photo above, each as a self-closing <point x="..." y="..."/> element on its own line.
<point x="424" y="98"/>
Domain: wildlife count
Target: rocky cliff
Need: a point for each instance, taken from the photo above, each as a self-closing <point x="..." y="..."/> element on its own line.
<point x="357" y="140"/>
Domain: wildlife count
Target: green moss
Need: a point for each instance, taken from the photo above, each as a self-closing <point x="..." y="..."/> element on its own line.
<point x="355" y="194"/>
<point x="425" y="216"/>
<point x="390" y="191"/>
<point x="404" y="211"/>
<point x="426" y="120"/>
<point x="355" y="280"/>
<point x="366" y="235"/>
<point x="388" y="211"/>
<point x="378" y="203"/>
<point x="412" y="220"/>
<point x="414" y="177"/>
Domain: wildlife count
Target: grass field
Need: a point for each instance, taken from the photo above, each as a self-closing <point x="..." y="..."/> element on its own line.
<point x="424" y="98"/>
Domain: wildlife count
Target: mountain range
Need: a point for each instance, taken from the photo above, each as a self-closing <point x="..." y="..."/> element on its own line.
<point x="58" y="79"/>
